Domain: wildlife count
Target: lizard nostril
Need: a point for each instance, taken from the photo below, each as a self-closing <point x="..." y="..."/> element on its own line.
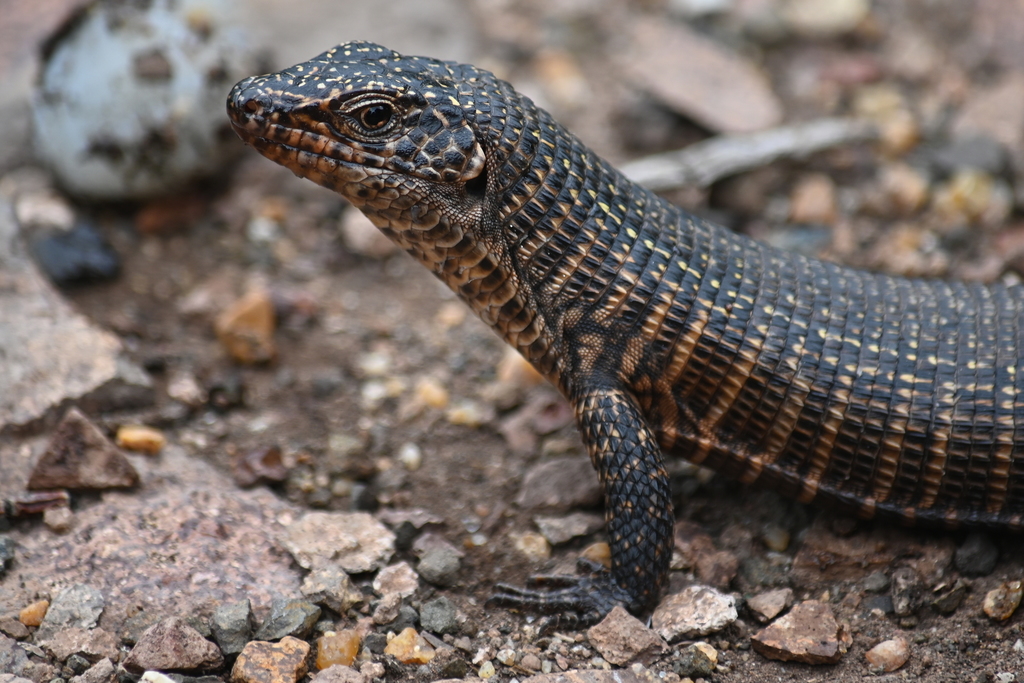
<point x="252" y="107"/>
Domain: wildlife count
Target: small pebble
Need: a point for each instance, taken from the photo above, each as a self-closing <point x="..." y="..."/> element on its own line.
<point x="771" y="604"/>
<point x="77" y="255"/>
<point x="876" y="582"/>
<point x="533" y="546"/>
<point x="486" y="670"/>
<point x="337" y="648"/>
<point x="59" y="520"/>
<point x="439" y="566"/>
<point x="399" y="579"/>
<point x="888" y="655"/>
<point x="232" y="625"/>
<point x="33" y="614"/>
<point x="699" y="659"/>
<point x="141" y="438"/>
<point x="813" y="201"/>
<point x="1000" y="603"/>
<point x="694" y="611"/>
<point x="246" y="328"/>
<point x="410" y="456"/>
<point x="288" y="618"/>
<point x="439" y="616"/>
<point x="906" y="591"/>
<point x="432" y="393"/>
<point x="262" y="662"/>
<point x="775" y="538"/>
<point x="409" y="647"/>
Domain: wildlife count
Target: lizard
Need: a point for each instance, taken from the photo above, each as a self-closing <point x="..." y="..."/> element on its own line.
<point x="877" y="396"/>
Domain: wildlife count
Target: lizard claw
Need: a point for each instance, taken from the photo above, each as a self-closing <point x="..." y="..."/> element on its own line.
<point x="568" y="601"/>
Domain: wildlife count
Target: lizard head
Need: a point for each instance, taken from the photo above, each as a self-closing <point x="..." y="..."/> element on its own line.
<point x="395" y="135"/>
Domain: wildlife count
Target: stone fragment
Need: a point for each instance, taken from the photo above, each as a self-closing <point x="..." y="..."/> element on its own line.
<point x="439" y="566"/>
<point x="59" y="520"/>
<point x="560" y="484"/>
<point x="331" y="587"/>
<point x="173" y="645"/>
<point x="700" y="78"/>
<point x="694" y="611"/>
<point x="53" y="355"/>
<point x="387" y="609"/>
<point x="533" y="547"/>
<point x="906" y="591"/>
<point x="288" y="618"/>
<point x="620" y="638"/>
<point x="399" y="578"/>
<point x="10" y="626"/>
<point x="698" y="659"/>
<point x="233" y="625"/>
<point x="258" y="466"/>
<point x="808" y="634"/>
<point x="948" y="597"/>
<point x="33" y="615"/>
<point x="75" y="256"/>
<point x="439" y="616"/>
<point x="877" y="582"/>
<point x="355" y="541"/>
<point x="409" y="647"/>
<point x="261" y="662"/>
<point x="141" y="438"/>
<point x="337" y="673"/>
<point x="1000" y="603"/>
<point x="13" y="657"/>
<point x="79" y="456"/>
<point x="558" y="530"/>
<point x="246" y="328"/>
<point x="977" y="556"/>
<point x="101" y="672"/>
<point x="77" y="605"/>
<point x="337" y="648"/>
<point x="888" y="655"/>
<point x="91" y="643"/>
<point x="766" y="606"/>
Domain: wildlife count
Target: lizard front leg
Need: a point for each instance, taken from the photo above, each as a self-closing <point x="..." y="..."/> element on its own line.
<point x="638" y="511"/>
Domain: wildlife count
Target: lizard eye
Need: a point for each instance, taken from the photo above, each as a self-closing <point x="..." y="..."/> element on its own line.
<point x="375" y="117"/>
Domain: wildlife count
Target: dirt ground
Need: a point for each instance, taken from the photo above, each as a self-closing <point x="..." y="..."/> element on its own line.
<point x="347" y="321"/>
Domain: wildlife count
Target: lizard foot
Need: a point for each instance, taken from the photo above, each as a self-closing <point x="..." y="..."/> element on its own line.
<point x="567" y="601"/>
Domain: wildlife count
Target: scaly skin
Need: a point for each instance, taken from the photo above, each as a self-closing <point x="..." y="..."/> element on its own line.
<point x="877" y="396"/>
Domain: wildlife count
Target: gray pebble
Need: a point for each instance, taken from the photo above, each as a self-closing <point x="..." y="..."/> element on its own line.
<point x="438" y="616"/>
<point x="977" y="556"/>
<point x="879" y="602"/>
<point x="77" y="605"/>
<point x="233" y="625"/>
<point x="438" y="566"/>
<point x="375" y="642"/>
<point x="288" y="618"/>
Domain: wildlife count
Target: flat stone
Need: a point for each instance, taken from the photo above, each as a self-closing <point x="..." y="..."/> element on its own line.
<point x="399" y="578"/>
<point x="261" y="662"/>
<point x="79" y="456"/>
<point x="331" y="587"/>
<point x="288" y="618"/>
<point x="808" y="634"/>
<point x="355" y="541"/>
<point x="233" y="625"/>
<point x="888" y="655"/>
<point x="560" y="484"/>
<point x="338" y="674"/>
<point x="54" y="356"/>
<point x="77" y="605"/>
<point x="173" y="645"/>
<point x="560" y="530"/>
<point x="91" y="643"/>
<point x="620" y="638"/>
<point x="700" y="78"/>
<point x="766" y="606"/>
<point x="948" y="597"/>
<point x="12" y="627"/>
<point x="694" y="611"/>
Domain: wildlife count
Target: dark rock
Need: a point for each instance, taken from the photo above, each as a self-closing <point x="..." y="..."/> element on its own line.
<point x="173" y="645"/>
<point x="375" y="642"/>
<point x="233" y="625"/>
<point x="6" y="552"/>
<point x="977" y="556"/>
<point x="447" y="664"/>
<point x="906" y="591"/>
<point x="77" y="664"/>
<point x="560" y="484"/>
<point x="439" y="566"/>
<point x="879" y="602"/>
<point x="80" y="456"/>
<point x="876" y="582"/>
<point x="948" y="597"/>
<point x="77" y="605"/>
<point x="620" y="638"/>
<point x="439" y="616"/>
<point x="77" y="255"/>
<point x="288" y="618"/>
<point x="808" y="634"/>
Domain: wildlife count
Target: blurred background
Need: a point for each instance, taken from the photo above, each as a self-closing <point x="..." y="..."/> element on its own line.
<point x="277" y="355"/>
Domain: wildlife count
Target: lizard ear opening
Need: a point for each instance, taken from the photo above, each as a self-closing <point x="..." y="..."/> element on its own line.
<point x="476" y="186"/>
